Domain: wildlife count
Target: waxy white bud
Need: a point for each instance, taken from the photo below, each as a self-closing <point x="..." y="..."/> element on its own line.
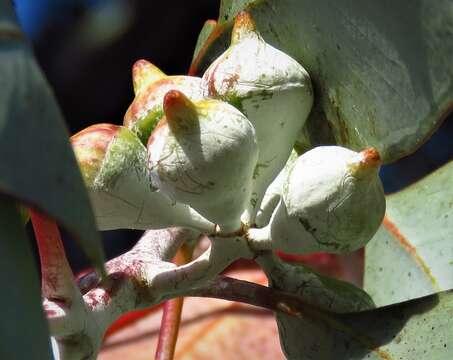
<point x="333" y="201"/>
<point x="272" y="89"/>
<point x="113" y="163"/>
<point x="274" y="193"/>
<point x="150" y="87"/>
<point x="203" y="154"/>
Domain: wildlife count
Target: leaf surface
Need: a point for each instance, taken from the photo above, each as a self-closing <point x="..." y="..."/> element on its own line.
<point x="38" y="166"/>
<point x="23" y="327"/>
<point x="351" y="329"/>
<point x="379" y="81"/>
<point x="412" y="253"/>
<point x="417" y="329"/>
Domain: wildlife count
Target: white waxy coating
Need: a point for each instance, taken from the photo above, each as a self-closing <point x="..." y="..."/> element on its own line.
<point x="333" y="201"/>
<point x="114" y="164"/>
<point x="274" y="193"/>
<point x="131" y="204"/>
<point x="272" y="89"/>
<point x="206" y="162"/>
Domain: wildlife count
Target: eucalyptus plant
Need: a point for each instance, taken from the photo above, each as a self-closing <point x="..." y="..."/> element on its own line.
<point x="266" y="146"/>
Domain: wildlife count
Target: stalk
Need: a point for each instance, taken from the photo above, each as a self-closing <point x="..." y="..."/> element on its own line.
<point x="57" y="277"/>
<point x="171" y="316"/>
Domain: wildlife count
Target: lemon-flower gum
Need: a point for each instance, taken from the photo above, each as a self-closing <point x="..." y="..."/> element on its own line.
<point x="203" y="154"/>
<point x="332" y="201"/>
<point x="150" y="87"/>
<point x="272" y="89"/>
<point x="113" y="163"/>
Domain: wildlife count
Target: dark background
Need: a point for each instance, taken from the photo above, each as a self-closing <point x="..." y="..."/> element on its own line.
<point x="87" y="48"/>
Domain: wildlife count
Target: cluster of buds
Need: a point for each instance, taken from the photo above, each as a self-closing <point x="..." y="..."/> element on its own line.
<point x="213" y="155"/>
<point x="201" y="153"/>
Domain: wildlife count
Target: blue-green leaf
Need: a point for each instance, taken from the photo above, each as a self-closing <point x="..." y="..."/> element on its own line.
<point x="412" y="253"/>
<point x="23" y="328"/>
<point x="38" y="166"/>
<point x="379" y="80"/>
<point x="417" y="329"/>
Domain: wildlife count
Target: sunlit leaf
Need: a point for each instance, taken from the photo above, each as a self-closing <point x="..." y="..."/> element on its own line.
<point x="379" y="81"/>
<point x="207" y="29"/>
<point x="412" y="253"/>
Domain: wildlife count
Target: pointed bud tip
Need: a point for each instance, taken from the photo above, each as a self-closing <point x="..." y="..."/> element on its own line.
<point x="145" y="73"/>
<point x="178" y="108"/>
<point x="368" y="162"/>
<point x="371" y="157"/>
<point x="244" y="26"/>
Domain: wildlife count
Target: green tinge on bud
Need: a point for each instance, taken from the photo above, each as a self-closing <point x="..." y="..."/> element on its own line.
<point x="113" y="163"/>
<point x="333" y="201"/>
<point x="150" y="86"/>
<point x="203" y="153"/>
<point x="272" y="89"/>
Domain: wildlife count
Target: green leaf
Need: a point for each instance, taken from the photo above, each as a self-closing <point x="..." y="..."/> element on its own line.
<point x="317" y="290"/>
<point x="379" y="81"/>
<point x="343" y="325"/>
<point x="412" y="253"/>
<point x="206" y="30"/>
<point x="38" y="166"/>
<point x="23" y="327"/>
<point x="417" y="329"/>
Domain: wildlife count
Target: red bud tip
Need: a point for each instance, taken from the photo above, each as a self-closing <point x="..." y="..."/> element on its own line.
<point x="244" y="25"/>
<point x="178" y="109"/>
<point x="367" y="164"/>
<point x="371" y="157"/>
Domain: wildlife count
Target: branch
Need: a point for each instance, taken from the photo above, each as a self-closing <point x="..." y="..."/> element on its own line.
<point x="226" y="288"/>
<point x="140" y="278"/>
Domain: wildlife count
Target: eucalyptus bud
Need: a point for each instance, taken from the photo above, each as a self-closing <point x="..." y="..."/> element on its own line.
<point x="203" y="154"/>
<point x="272" y="89"/>
<point x="333" y="201"/>
<point x="274" y="193"/>
<point x="150" y="86"/>
<point x="113" y="163"/>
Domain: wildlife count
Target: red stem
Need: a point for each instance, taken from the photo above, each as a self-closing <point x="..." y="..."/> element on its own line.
<point x="171" y="316"/>
<point x="57" y="277"/>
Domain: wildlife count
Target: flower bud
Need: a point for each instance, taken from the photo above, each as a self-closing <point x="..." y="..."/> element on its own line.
<point x="333" y="201"/>
<point x="144" y="74"/>
<point x="272" y="89"/>
<point x="150" y="86"/>
<point x="113" y="163"/>
<point x="274" y="193"/>
<point x="203" y="154"/>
